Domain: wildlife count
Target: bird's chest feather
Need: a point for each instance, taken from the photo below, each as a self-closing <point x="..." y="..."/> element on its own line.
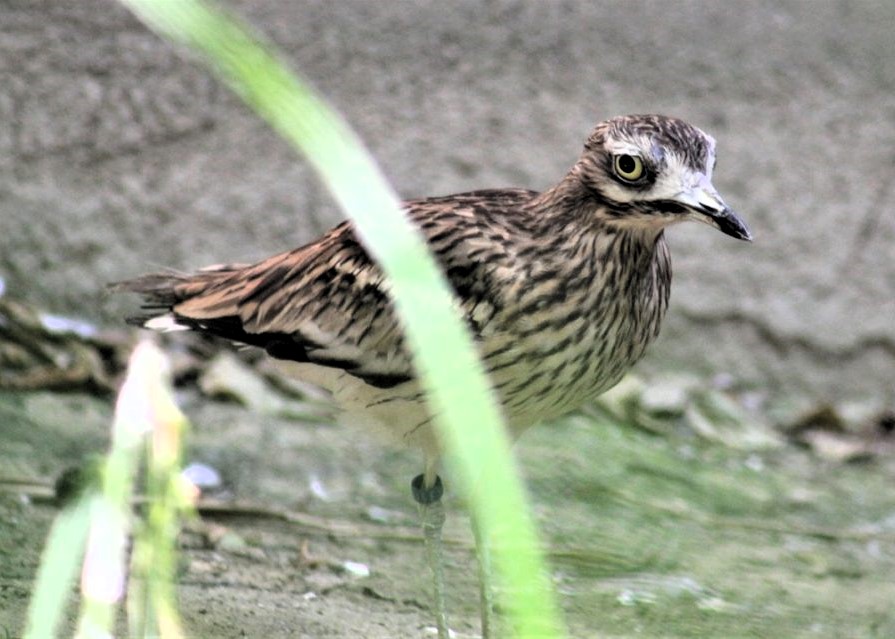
<point x="576" y="327"/>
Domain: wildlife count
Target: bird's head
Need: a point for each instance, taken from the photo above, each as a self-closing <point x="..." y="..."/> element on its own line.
<point x="650" y="171"/>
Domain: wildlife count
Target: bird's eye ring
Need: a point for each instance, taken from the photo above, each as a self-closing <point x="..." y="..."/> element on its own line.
<point x="628" y="167"/>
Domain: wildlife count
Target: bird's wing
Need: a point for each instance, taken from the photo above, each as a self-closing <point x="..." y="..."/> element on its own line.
<point x="328" y="303"/>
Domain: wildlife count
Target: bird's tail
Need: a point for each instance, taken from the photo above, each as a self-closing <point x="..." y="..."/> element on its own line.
<point x="164" y="292"/>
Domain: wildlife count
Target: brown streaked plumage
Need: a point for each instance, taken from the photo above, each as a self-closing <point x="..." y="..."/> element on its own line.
<point x="562" y="290"/>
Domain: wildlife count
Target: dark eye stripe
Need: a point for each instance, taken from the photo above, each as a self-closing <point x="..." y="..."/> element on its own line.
<point x="666" y="206"/>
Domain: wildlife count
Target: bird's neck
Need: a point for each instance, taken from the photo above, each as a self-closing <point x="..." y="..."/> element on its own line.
<point x="571" y="209"/>
<point x="560" y="204"/>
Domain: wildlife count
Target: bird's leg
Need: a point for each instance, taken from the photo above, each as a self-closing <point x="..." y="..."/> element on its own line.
<point x="486" y="593"/>
<point x="428" y="496"/>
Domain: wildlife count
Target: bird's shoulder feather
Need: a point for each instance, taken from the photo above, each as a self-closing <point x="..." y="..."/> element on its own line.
<point x="328" y="302"/>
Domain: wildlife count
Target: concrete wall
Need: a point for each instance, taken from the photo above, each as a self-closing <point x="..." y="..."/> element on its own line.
<point x="118" y="156"/>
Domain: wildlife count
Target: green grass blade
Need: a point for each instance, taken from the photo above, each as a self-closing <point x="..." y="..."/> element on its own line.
<point x="447" y="363"/>
<point x="58" y="566"/>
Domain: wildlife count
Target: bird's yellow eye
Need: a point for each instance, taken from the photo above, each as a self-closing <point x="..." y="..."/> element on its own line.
<point x="628" y="167"/>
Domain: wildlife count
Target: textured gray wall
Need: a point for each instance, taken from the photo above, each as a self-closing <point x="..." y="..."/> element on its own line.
<point x="117" y="156"/>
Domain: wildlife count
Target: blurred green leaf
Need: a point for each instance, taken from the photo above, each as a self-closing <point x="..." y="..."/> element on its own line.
<point x="62" y="555"/>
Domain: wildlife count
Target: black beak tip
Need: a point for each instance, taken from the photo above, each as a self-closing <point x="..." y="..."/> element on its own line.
<point x="731" y="224"/>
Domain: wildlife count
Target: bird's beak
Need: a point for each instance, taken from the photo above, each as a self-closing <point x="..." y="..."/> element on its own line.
<point x="705" y="205"/>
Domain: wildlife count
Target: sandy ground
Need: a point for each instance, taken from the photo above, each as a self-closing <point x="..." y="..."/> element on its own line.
<point x="647" y="536"/>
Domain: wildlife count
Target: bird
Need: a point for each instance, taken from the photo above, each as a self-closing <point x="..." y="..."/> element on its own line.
<point x="562" y="292"/>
